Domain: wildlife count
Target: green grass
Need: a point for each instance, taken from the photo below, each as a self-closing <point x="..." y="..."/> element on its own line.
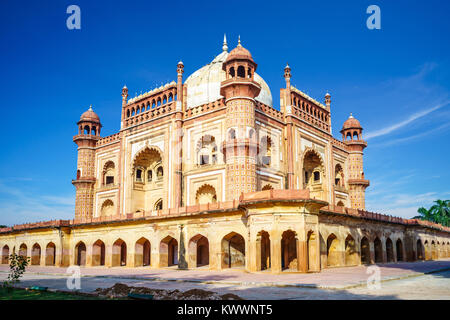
<point x="22" y="294"/>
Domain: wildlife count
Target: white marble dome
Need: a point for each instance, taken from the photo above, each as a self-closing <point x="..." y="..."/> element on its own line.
<point x="203" y="86"/>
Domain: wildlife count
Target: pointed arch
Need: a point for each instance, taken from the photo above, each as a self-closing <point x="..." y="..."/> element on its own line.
<point x="142" y="255"/>
<point x="98" y="253"/>
<point x="80" y="254"/>
<point x="233" y="250"/>
<point x="168" y="252"/>
<point x="119" y="253"/>
<point x="50" y="254"/>
<point x="365" y="251"/>
<point x="198" y="250"/>
<point x="289" y="248"/>
<point x="206" y="194"/>
<point x="5" y="254"/>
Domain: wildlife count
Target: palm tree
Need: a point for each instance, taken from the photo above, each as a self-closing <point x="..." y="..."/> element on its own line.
<point x="438" y="213"/>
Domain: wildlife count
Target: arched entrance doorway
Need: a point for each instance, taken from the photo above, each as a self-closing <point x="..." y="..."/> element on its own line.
<point x="289" y="257"/>
<point x="233" y="251"/>
<point x="23" y="250"/>
<point x="142" y="254"/>
<point x="50" y="254"/>
<point x="98" y="253"/>
<point x="168" y="252"/>
<point x="399" y="249"/>
<point x="420" y="250"/>
<point x="80" y="254"/>
<point x="365" y="251"/>
<point x="333" y="254"/>
<point x="378" y="247"/>
<point x="389" y="250"/>
<point x="351" y="254"/>
<point x="5" y="254"/>
<point x="119" y="253"/>
<point x="198" y="251"/>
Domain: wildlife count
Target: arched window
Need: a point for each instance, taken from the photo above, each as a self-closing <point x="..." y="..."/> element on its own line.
<point x="159" y="172"/>
<point x="159" y="204"/>
<point x="355" y="136"/>
<point x="207" y="150"/>
<point x="206" y="194"/>
<point x="232" y="134"/>
<point x="266" y="150"/>
<point x="86" y="130"/>
<point x="170" y="97"/>
<point x="153" y="104"/>
<point x="249" y="73"/>
<point x="164" y="100"/>
<point x="108" y="173"/>
<point x="139" y="175"/>
<point x="316" y="176"/>
<point x="241" y="72"/>
<point x="78" y="174"/>
<point x="349" y="136"/>
<point x="132" y="112"/>
<point x="94" y="131"/>
<point x="159" y="102"/>
<point x="149" y="175"/>
<point x="338" y="176"/>
<point x="232" y="73"/>
<point x="128" y="113"/>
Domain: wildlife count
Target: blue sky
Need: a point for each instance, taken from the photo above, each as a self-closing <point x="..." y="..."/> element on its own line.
<point x="396" y="81"/>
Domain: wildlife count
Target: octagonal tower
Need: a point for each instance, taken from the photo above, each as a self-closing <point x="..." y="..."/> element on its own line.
<point x="240" y="146"/>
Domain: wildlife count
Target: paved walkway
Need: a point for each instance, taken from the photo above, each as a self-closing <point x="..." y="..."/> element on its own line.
<point x="334" y="278"/>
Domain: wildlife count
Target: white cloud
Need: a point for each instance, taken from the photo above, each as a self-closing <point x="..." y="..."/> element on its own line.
<point x="411" y="118"/>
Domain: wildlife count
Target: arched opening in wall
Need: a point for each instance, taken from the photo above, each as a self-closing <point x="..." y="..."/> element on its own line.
<point x="420" y="250"/>
<point x="164" y="99"/>
<point x="128" y="113"/>
<point x="313" y="251"/>
<point x="267" y="187"/>
<point x="198" y="251"/>
<point x="170" y="97"/>
<point x="108" y="173"/>
<point x="23" y="250"/>
<point x="349" y="136"/>
<point x="313" y="171"/>
<point x="206" y="150"/>
<point x="168" y="252"/>
<point x="78" y="174"/>
<point x="289" y="257"/>
<point x="399" y="249"/>
<point x="142" y="253"/>
<point x="434" y="255"/>
<point x="264" y="243"/>
<point x="5" y="254"/>
<point x="427" y="250"/>
<point x="231" y="72"/>
<point x="378" y="247"/>
<point x="233" y="251"/>
<point x="355" y="136"/>
<point x="338" y="176"/>
<point x="119" y="253"/>
<point x="333" y="254"/>
<point x="231" y="134"/>
<point x="365" y="251"/>
<point x="206" y="194"/>
<point x="158" y="102"/>
<point x="241" y="72"/>
<point x="351" y="254"/>
<point x="94" y="131"/>
<point x="389" y="250"/>
<point x="98" y="253"/>
<point x="148" y="171"/>
<point x="158" y="205"/>
<point x="107" y="209"/>
<point x="340" y="204"/>
<point x="86" y="130"/>
<point x="265" y="150"/>
<point x="80" y="254"/>
<point x="50" y="254"/>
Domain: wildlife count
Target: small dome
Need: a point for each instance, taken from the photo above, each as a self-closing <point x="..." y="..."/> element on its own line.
<point x="351" y="123"/>
<point x="239" y="53"/>
<point x="90" y="115"/>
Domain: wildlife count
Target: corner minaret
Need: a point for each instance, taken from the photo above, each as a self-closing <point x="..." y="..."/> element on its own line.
<point x="240" y="145"/>
<point x="89" y="128"/>
<point x="352" y="137"/>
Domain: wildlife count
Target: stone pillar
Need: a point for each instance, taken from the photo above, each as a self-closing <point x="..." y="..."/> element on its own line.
<point x="108" y="255"/>
<point x="182" y="263"/>
<point x="302" y="256"/>
<point x="275" y="251"/>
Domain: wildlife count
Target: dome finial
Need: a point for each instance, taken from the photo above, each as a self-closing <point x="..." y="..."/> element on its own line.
<point x="351" y="115"/>
<point x="90" y="108"/>
<point x="239" y="41"/>
<point x="225" y="45"/>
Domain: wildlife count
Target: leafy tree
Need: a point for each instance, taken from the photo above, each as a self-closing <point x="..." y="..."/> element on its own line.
<point x="17" y="266"/>
<point x="439" y="212"/>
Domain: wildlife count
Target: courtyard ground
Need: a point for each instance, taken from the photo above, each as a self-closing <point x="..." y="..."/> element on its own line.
<point x="417" y="280"/>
